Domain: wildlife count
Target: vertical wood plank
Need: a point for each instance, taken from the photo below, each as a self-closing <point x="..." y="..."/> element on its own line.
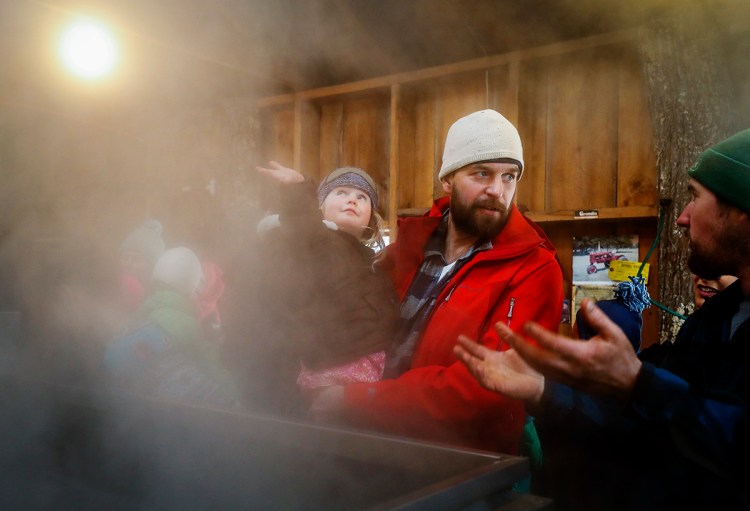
<point x="331" y="132"/>
<point x="636" y="172"/>
<point x="416" y="146"/>
<point x="297" y="130"/>
<point x="457" y="96"/>
<point x="504" y="97"/>
<point x="532" y="127"/>
<point x="365" y="137"/>
<point x="582" y="131"/>
<point x="393" y="161"/>
<point x="403" y="192"/>
<point x="310" y="140"/>
<point x="426" y="157"/>
<point x="504" y="90"/>
<point x="278" y="136"/>
<point x="652" y="315"/>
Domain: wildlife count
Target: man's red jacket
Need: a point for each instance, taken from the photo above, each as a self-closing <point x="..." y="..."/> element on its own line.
<point x="438" y="399"/>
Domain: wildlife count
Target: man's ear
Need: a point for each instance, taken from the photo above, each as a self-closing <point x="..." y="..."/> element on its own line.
<point x="447" y="183"/>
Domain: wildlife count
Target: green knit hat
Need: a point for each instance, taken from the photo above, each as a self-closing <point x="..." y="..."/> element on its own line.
<point x="725" y="170"/>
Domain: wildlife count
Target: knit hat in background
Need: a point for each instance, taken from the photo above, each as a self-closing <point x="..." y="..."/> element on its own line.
<point x="481" y="136"/>
<point x="146" y="240"/>
<point x="181" y="269"/>
<point x="629" y="321"/>
<point x="349" y="176"/>
<point x="725" y="170"/>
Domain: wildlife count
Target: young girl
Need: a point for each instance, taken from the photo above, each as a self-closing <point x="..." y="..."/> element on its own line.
<point x="325" y="308"/>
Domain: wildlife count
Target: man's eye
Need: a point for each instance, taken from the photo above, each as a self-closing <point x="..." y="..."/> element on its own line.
<point x="509" y="178"/>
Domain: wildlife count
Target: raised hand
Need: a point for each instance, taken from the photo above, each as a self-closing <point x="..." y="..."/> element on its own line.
<point x="280" y="173"/>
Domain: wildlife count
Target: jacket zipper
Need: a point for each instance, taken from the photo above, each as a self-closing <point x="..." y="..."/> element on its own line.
<point x="448" y="296"/>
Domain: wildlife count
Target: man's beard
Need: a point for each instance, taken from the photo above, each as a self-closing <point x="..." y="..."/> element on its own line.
<point x="719" y="258"/>
<point x="469" y="221"/>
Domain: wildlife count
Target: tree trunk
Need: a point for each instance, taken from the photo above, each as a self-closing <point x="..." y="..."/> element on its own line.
<point x="690" y="95"/>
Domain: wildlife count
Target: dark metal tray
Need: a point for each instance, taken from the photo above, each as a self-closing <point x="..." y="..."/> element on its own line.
<point x="75" y="448"/>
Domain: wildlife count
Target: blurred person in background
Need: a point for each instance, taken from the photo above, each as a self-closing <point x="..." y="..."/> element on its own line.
<point x="138" y="253"/>
<point x="210" y="298"/>
<point x="163" y="352"/>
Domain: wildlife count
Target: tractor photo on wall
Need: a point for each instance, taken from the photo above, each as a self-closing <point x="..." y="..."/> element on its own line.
<point x="603" y="258"/>
<point x="593" y="256"/>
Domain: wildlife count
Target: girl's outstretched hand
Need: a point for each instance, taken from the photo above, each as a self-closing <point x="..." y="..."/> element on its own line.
<point x="280" y="173"/>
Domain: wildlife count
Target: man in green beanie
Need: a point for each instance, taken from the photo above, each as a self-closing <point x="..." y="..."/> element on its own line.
<point x="725" y="170"/>
<point x="668" y="428"/>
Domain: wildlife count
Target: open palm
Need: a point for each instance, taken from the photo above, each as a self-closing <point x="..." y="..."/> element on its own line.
<point x="500" y="371"/>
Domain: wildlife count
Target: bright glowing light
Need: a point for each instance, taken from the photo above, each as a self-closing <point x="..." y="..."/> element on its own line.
<point x="88" y="49"/>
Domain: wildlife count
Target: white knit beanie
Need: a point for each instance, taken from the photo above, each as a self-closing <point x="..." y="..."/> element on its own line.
<point x="180" y="269"/>
<point x="481" y="136"/>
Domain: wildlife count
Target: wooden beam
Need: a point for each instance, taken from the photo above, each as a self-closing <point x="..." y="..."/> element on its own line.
<point x="385" y="82"/>
<point x="569" y="215"/>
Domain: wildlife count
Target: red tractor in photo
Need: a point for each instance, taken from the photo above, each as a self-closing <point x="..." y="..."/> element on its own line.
<point x="604" y="258"/>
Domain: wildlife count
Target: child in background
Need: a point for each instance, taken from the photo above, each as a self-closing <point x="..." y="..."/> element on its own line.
<point x="164" y="353"/>
<point x="139" y="252"/>
<point x="209" y="301"/>
<point x="703" y="289"/>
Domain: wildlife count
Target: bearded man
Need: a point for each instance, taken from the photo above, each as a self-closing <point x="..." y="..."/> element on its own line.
<point x="668" y="427"/>
<point x="472" y="261"/>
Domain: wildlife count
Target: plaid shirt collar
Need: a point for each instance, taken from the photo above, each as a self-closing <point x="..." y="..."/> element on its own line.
<point x="420" y="300"/>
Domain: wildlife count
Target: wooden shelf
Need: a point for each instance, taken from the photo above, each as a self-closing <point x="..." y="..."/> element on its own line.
<point x="601" y="214"/>
<point x="569" y="215"/>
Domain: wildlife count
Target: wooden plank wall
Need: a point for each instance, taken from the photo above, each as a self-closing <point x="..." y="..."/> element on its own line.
<point x="585" y="125"/>
<point x="581" y="111"/>
<point x="277" y="135"/>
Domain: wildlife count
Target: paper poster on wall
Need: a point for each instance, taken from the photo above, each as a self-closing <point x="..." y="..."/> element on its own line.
<point x="622" y="271"/>
<point x="593" y="255"/>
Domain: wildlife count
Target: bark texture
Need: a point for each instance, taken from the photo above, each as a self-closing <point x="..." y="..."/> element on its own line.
<point x="690" y="95"/>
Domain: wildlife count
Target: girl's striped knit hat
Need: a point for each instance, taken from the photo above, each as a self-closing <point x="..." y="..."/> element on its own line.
<point x="349" y="176"/>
